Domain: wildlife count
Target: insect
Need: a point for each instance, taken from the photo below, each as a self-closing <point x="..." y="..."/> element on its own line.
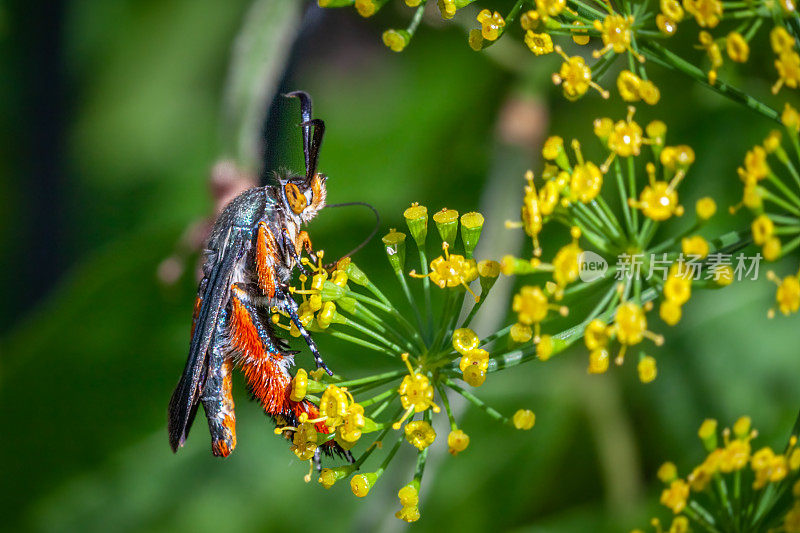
<point x="251" y="254"/>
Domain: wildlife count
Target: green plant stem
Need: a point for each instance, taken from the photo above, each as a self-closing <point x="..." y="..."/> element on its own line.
<point x="426" y="287"/>
<point x="660" y="55"/>
<point x="476" y="401"/>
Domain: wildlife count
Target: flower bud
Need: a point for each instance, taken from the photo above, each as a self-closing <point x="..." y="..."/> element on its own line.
<point x="524" y="419"/>
<point x="361" y="483"/>
<point x="447" y="223"/>
<point x="395" y="246"/>
<point x="471" y="226"/>
<point x="708" y="434"/>
<point x="417" y="219"/>
<point x="396" y="40"/>
<point x="488" y="271"/>
<point x="329" y="476"/>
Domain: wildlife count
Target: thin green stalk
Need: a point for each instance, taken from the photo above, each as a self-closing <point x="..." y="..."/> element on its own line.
<point x="375" y="399"/>
<point x="632" y="193"/>
<point x="410" y="297"/>
<point x="446" y="403"/>
<point x="660" y="55"/>
<point x="366" y="331"/>
<point x="356" y="340"/>
<point x="474" y="400"/>
<point x="426" y="287"/>
<point x="626" y="209"/>
<point x="362" y="381"/>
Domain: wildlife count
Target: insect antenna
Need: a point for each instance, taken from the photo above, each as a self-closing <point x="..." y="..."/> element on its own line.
<point x="305" y="122"/>
<point x="312" y="155"/>
<point x="368" y="238"/>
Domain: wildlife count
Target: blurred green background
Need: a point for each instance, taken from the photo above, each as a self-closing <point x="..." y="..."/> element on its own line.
<point x="113" y="118"/>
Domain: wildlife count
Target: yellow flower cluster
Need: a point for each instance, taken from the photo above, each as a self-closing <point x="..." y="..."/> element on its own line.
<point x="722" y="473"/>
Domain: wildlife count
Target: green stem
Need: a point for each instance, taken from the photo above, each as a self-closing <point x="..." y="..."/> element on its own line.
<point x="660" y="55"/>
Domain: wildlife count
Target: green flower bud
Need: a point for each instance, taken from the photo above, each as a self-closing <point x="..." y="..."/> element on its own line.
<point x="347" y="303"/>
<point x="395" y="245"/>
<point x="471" y="226"/>
<point x="354" y="274"/>
<point x="447" y="223"/>
<point x="417" y="219"/>
<point x="488" y="271"/>
<point x="331" y="291"/>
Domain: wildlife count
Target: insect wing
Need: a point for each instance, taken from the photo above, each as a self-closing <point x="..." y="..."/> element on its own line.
<point x="185" y="398"/>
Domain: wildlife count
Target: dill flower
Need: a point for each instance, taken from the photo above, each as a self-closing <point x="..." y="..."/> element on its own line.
<point x="420" y="434"/>
<point x="524" y="419"/>
<point x="737" y="47"/>
<point x="707" y="13"/>
<point x="457" y="441"/>
<point x="492" y="24"/>
<point x="575" y="77"/>
<point x="539" y="43"/>
<point x="714" y="492"/>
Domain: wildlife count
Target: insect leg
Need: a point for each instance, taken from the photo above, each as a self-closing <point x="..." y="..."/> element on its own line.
<point x="291" y="247"/>
<point x="290" y="308"/>
<point x="242" y="303"/>
<point x="218" y="401"/>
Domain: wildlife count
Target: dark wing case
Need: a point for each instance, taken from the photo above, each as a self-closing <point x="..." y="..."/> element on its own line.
<point x="214" y="294"/>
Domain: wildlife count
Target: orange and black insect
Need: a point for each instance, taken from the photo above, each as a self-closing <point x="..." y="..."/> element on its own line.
<point x="251" y="254"/>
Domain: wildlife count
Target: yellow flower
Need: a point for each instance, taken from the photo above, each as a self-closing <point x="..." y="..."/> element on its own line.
<point x="595" y="335"/>
<point x="658" y="201"/>
<point x="680" y="524"/>
<point x="396" y="40"/>
<point x="755" y="165"/>
<point x="299" y="385"/>
<point x="361" y="483"/>
<point x="666" y="25"/>
<point x="735" y="456"/>
<point x="539" y="43"/>
<point x="575" y="77"/>
<point x="551" y="8"/>
<point x="647" y="369"/>
<point x="366" y="8"/>
<point x="492" y="24"/>
<point x="477" y="357"/>
<point x="649" y="92"/>
<point x="615" y="31"/>
<point x="531" y="305"/>
<point x="670" y="312"/>
<point x="451" y="270"/>
<point x="675" y="496"/>
<point x="524" y="419"/>
<point x="353" y="423"/>
<point x="529" y="20"/>
<point x="586" y="182"/>
<point x="707" y="13"/>
<point x="333" y="405"/>
<point x="780" y="40"/>
<point x="791" y="522"/>
<point x="598" y="361"/>
<point x="788" y="67"/>
<point x="788" y="294"/>
<point x="714" y="55"/>
<point x="628" y="85"/>
<point x="667" y="472"/>
<point x="304" y="441"/>
<point x="630" y="323"/>
<point x="678" y="285"/>
<point x="544" y="350"/>
<point x="447" y="8"/>
<point x="738" y="49"/>
<point x="457" y="441"/>
<point x="520" y="333"/>
<point x="626" y="138"/>
<point x="464" y="340"/>
<point x="420" y="434"/>
<point x="409" y="495"/>
<point x="695" y="245"/>
<point x="762" y="228"/>
<point x="790" y="117"/>
<point x="408" y="514"/>
<point x="567" y="262"/>
<point x="416" y="391"/>
<point x="672" y="9"/>
<point x="705" y="208"/>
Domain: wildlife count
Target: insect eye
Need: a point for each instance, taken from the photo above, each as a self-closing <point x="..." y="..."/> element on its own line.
<point x="297" y="200"/>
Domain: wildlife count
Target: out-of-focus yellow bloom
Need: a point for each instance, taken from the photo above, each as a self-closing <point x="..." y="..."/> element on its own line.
<point x="675" y="496"/>
<point x="524" y="419"/>
<point x="457" y="441"/>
